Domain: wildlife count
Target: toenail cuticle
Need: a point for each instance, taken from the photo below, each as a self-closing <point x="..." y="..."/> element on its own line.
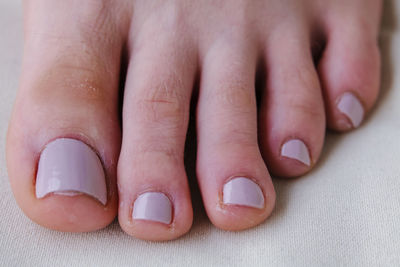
<point x="243" y="191"/>
<point x="352" y="108"/>
<point x="153" y="206"/>
<point x="69" y="167"/>
<point x="296" y="149"/>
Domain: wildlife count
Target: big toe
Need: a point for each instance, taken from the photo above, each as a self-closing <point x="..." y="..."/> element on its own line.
<point x="64" y="137"/>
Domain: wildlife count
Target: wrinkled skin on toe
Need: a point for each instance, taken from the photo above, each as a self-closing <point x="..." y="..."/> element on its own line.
<point x="74" y="164"/>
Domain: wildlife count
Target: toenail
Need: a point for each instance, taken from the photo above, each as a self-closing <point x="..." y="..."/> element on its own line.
<point x="296" y="149"/>
<point x="350" y="106"/>
<point x="70" y="167"/>
<point x="153" y="206"/>
<point x="243" y="191"/>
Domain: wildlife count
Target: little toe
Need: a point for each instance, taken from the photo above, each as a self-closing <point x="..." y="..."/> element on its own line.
<point x="350" y="67"/>
<point x="235" y="184"/>
<point x="64" y="134"/>
<point x="154" y="196"/>
<point x="292" y="119"/>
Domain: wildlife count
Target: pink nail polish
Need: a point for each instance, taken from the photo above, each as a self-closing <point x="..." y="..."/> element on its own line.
<point x="296" y="149"/>
<point x="153" y="206"/>
<point x="70" y="167"/>
<point x="350" y="106"/>
<point x="243" y="191"/>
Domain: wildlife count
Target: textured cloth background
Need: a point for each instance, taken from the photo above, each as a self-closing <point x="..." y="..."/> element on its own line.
<point x="345" y="212"/>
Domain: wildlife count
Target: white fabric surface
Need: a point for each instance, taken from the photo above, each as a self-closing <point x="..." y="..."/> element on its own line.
<point x="345" y="212"/>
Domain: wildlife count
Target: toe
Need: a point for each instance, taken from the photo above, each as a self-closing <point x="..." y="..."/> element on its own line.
<point x="292" y="119"/>
<point x="63" y="138"/>
<point x="153" y="189"/>
<point x="236" y="188"/>
<point x="349" y="70"/>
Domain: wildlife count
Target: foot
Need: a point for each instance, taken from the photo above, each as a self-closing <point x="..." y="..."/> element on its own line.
<point x="66" y="145"/>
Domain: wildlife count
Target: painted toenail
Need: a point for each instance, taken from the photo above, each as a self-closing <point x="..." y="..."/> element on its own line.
<point x="296" y="149"/>
<point x="243" y="191"/>
<point x="350" y="106"/>
<point x="70" y="167"/>
<point x="153" y="206"/>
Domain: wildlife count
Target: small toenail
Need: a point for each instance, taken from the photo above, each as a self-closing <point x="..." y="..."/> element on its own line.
<point x="70" y="167"/>
<point x="243" y="191"/>
<point x="153" y="206"/>
<point x="296" y="149"/>
<point x="350" y="106"/>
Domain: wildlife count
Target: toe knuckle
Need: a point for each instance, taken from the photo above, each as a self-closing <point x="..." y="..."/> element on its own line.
<point x="308" y="110"/>
<point x="241" y="138"/>
<point x="161" y="152"/>
<point x="163" y="105"/>
<point x="306" y="78"/>
<point x="236" y="96"/>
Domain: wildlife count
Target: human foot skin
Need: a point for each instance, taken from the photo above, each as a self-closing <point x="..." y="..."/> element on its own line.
<point x="64" y="138"/>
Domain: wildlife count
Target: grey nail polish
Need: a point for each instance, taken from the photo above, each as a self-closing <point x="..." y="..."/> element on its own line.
<point x="243" y="191"/>
<point x="350" y="106"/>
<point x="296" y="149"/>
<point x="70" y="167"/>
<point x="153" y="206"/>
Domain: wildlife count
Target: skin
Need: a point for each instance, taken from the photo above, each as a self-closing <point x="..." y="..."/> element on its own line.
<point x="70" y="88"/>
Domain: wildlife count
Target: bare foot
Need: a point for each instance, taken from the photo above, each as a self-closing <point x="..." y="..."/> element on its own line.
<point x="67" y="154"/>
